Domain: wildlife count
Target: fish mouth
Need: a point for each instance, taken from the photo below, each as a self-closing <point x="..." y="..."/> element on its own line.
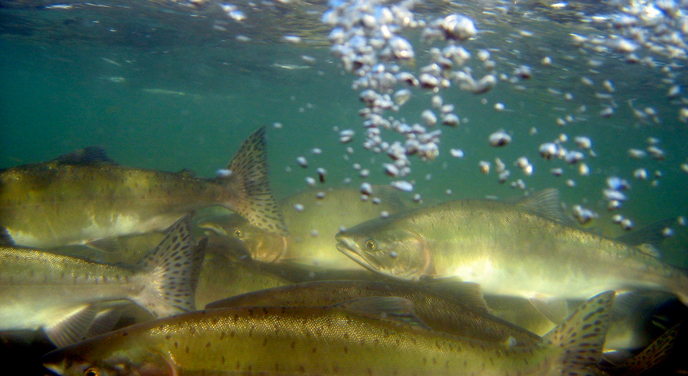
<point x="350" y="248"/>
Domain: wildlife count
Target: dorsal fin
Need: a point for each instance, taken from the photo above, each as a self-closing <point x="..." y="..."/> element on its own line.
<point x="186" y="173"/>
<point x="388" y="308"/>
<point x="87" y="156"/>
<point x="545" y="203"/>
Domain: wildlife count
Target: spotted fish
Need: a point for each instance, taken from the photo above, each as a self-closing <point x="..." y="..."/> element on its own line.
<point x="373" y="336"/>
<point x="83" y="196"/>
<point x="64" y="295"/>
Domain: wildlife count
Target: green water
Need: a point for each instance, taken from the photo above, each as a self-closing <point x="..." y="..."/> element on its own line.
<point x="186" y="98"/>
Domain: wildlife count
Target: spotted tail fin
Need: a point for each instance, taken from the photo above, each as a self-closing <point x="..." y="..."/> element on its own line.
<point x="247" y="176"/>
<point x="171" y="271"/>
<point x="577" y="342"/>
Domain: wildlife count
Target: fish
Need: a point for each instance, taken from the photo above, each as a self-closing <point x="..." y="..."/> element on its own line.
<point x="83" y="196"/>
<point x="64" y="295"/>
<point x="379" y="335"/>
<point x="523" y="249"/>
<point x="638" y="318"/>
<point x="322" y="216"/>
<point x="222" y="277"/>
<point x="458" y="309"/>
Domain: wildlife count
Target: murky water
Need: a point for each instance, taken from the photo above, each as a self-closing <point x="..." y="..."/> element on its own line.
<point x="177" y="85"/>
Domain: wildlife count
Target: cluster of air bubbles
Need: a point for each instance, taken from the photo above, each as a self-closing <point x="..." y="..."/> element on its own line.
<point x="656" y="26"/>
<point x="653" y="151"/>
<point x="367" y="37"/>
<point x="557" y="150"/>
<point x="614" y="192"/>
<point x="651" y="33"/>
<point x="625" y="223"/>
<point x="233" y="12"/>
<point x="583" y="215"/>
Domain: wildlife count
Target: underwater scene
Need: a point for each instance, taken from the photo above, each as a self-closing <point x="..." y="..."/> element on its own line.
<point x="343" y="187"/>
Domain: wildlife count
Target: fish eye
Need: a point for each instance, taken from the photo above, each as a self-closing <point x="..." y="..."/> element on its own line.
<point x="92" y="371"/>
<point x="370" y="244"/>
<point x="238" y="233"/>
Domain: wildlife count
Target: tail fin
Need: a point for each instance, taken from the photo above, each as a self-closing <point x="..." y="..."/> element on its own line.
<point x="171" y="272"/>
<point x="250" y="180"/>
<point x="579" y="340"/>
<point x="653" y="355"/>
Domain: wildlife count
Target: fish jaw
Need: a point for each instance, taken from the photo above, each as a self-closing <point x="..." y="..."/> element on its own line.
<point x="109" y="355"/>
<point x="403" y="255"/>
<point x="351" y="249"/>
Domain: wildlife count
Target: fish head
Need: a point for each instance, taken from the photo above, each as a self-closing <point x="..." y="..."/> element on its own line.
<point x="105" y="357"/>
<point x="244" y="239"/>
<point x="389" y="250"/>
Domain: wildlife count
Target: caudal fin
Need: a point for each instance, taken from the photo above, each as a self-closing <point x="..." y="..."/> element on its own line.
<point x="249" y="179"/>
<point x="577" y="342"/>
<point x="171" y="272"/>
<point x="653" y="355"/>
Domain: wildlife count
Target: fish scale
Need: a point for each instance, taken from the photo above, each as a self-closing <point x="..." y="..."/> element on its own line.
<point x="63" y="295"/>
<point x="83" y="197"/>
<point x="374" y="336"/>
<point x="508" y="248"/>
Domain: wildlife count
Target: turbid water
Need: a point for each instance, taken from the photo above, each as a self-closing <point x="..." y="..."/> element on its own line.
<point x="180" y="85"/>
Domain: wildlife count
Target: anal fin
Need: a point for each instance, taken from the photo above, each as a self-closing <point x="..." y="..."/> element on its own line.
<point x="554" y="309"/>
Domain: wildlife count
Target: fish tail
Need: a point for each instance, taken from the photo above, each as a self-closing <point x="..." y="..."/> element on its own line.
<point x="248" y="177"/>
<point x="171" y="272"/>
<point x="577" y="342"/>
<point x="654" y="355"/>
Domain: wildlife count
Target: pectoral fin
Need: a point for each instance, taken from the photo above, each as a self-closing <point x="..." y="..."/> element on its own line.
<point x="73" y="327"/>
<point x="392" y="309"/>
